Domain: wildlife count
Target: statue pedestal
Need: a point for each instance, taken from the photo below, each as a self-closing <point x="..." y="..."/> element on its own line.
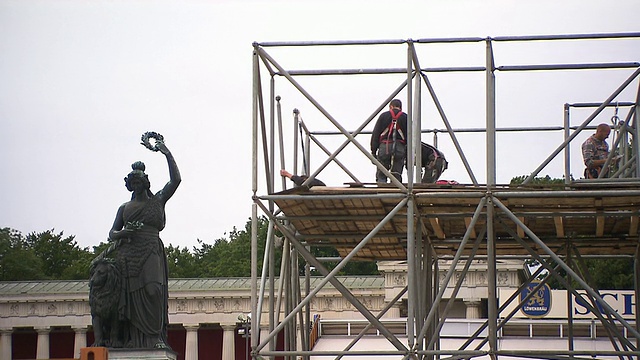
<point x="141" y="354"/>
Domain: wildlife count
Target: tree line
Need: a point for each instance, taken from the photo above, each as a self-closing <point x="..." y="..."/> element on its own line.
<point x="50" y="255"/>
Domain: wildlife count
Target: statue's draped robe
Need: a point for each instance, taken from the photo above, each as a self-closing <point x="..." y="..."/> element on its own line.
<point x="144" y="300"/>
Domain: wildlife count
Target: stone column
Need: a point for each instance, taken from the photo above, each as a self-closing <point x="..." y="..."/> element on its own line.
<point x="191" y="345"/>
<point x="473" y="309"/>
<point x="5" y="343"/>
<point x="42" y="351"/>
<point x="80" y="341"/>
<point x="228" y="342"/>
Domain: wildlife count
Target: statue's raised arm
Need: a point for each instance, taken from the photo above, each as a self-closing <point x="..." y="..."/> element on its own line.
<point x="174" y="174"/>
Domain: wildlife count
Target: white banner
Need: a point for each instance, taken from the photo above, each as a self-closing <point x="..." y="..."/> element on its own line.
<point x="622" y="301"/>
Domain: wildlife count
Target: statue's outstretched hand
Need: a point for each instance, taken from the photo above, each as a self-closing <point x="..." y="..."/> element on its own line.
<point x="162" y="147"/>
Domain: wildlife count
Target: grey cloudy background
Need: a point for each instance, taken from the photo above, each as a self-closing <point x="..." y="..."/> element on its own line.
<point x="80" y="81"/>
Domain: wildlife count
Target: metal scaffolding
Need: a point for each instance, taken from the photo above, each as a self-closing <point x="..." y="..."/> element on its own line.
<point x="423" y="223"/>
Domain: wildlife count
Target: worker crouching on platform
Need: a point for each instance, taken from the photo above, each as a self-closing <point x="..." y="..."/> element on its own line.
<point x="433" y="163"/>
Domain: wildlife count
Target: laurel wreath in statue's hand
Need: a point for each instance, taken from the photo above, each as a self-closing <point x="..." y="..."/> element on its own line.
<point x="152" y="135"/>
<point x="134" y="225"/>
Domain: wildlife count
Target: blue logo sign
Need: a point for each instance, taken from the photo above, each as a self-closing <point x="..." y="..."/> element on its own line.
<point x="539" y="304"/>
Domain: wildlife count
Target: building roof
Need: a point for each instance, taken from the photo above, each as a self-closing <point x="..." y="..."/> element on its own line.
<point x="8" y="288"/>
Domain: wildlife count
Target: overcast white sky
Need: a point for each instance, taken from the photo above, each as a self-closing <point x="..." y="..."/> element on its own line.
<point x="80" y="81"/>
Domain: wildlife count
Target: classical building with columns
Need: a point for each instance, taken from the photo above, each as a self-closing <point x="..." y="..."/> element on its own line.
<point x="51" y="319"/>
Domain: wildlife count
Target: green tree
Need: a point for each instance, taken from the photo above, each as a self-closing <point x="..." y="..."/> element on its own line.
<point x="50" y="255"/>
<point x="602" y="274"/>
<point x="231" y="257"/>
<point x="540" y="181"/>
<point x="17" y="261"/>
<point x="181" y="263"/>
<point x="352" y="268"/>
<point x="58" y="254"/>
<point x="612" y="273"/>
<point x="98" y="249"/>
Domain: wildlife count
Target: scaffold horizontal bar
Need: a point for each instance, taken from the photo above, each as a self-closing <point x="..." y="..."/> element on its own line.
<point x="568" y="37"/>
<point x="618" y="65"/>
<point x="473" y="130"/>
<point x="330" y="43"/>
<point x="625" y="35"/>
<point x="448" y="40"/>
<point x="556" y="353"/>
<point x="541" y="214"/>
<point x="456" y="194"/>
<point x="329" y="353"/>
<point x="596" y="104"/>
<point x="373" y="71"/>
<point x="402" y="237"/>
<point x="332" y="197"/>
<point x="565" y="194"/>
<point x="332" y="217"/>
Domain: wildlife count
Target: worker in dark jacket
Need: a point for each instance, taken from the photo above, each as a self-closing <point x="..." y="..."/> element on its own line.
<point x="299" y="180"/>
<point x="389" y="141"/>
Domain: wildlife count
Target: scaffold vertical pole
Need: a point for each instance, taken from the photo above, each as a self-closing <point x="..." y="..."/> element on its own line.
<point x="411" y="268"/>
<point x="636" y="155"/>
<point x="410" y="148"/>
<point x="429" y="284"/>
<point x="307" y="154"/>
<point x="491" y="181"/>
<point x="417" y="126"/>
<point x="436" y="289"/>
<point x="636" y="134"/>
<point x="491" y="116"/>
<point x="567" y="152"/>
<point x="492" y="304"/>
<point x="570" y="322"/>
<point x="636" y="288"/>
<point x="272" y="140"/>
<point x="307" y="319"/>
<point x="254" y="187"/>
<point x="272" y="285"/>
<point x="296" y="125"/>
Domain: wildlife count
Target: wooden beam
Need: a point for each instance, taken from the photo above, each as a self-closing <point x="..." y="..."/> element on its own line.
<point x="599" y="225"/>
<point x="467" y="222"/>
<point x="559" y="222"/>
<point x="633" y="226"/>
<point x="437" y="229"/>
<point x="519" y="230"/>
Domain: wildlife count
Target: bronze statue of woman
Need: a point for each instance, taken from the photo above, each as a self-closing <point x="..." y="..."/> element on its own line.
<point x="141" y="258"/>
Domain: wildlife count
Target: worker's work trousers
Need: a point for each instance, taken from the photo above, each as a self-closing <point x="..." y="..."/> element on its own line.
<point x="392" y="156"/>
